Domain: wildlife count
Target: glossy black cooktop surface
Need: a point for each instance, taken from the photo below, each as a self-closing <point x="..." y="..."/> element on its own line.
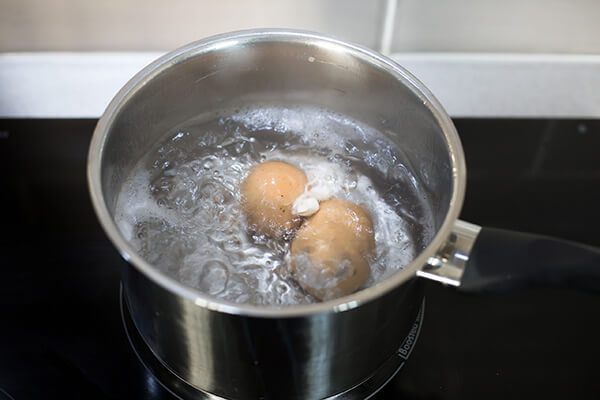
<point x="62" y="337"/>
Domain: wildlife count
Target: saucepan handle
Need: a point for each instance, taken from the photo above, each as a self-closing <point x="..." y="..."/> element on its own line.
<point x="502" y="260"/>
<point x="489" y="260"/>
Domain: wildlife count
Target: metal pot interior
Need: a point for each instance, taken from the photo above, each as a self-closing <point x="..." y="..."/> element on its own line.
<point x="285" y="68"/>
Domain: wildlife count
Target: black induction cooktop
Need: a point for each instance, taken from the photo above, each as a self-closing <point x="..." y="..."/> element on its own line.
<point x="61" y="332"/>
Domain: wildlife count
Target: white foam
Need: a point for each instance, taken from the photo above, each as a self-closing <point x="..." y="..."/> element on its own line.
<point x="305" y="205"/>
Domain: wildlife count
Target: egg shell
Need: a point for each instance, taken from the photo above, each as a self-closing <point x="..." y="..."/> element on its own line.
<point x="267" y="197"/>
<point x="329" y="255"/>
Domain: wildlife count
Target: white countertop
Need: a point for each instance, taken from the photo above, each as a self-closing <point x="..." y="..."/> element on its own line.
<point x="80" y="85"/>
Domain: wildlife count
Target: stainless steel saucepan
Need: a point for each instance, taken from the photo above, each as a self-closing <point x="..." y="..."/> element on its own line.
<point x="325" y="349"/>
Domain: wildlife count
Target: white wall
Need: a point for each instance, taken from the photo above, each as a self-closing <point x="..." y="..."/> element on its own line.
<point x="29" y="25"/>
<point x="539" y="26"/>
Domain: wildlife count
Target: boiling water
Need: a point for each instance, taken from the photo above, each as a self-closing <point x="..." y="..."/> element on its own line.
<point x="180" y="207"/>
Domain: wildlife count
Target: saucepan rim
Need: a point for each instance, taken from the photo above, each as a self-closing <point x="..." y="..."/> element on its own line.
<point x="214" y="43"/>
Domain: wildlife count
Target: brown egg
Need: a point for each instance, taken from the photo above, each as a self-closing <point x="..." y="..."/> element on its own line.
<point x="267" y="197"/>
<point x="329" y="255"/>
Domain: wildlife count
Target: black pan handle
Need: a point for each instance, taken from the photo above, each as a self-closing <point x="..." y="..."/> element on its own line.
<point x="502" y="261"/>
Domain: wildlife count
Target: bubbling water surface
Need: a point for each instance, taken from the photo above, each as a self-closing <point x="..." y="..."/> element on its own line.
<point x="180" y="207"/>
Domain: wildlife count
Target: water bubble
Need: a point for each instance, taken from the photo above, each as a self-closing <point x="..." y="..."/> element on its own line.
<point x="213" y="277"/>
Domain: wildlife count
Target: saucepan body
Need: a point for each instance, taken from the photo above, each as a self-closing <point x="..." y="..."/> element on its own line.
<point x="306" y="351"/>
